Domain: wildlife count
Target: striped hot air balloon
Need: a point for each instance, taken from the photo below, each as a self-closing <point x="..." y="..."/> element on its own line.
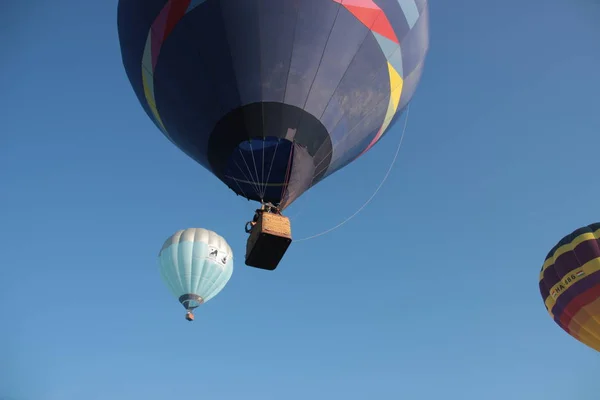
<point x="570" y="284"/>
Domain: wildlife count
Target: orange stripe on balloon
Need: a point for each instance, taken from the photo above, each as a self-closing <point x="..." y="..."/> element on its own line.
<point x="578" y="303"/>
<point x="359" y="8"/>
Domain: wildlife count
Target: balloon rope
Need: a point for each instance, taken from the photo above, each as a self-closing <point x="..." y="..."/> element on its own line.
<point x="387" y="174"/>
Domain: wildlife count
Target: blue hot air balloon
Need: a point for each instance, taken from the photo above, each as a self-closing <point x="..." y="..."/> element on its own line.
<point x="195" y="264"/>
<point x="272" y="96"/>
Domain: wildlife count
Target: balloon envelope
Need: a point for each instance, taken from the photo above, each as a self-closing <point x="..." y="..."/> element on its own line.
<point x="272" y="96"/>
<point x="570" y="284"/>
<point x="195" y="264"/>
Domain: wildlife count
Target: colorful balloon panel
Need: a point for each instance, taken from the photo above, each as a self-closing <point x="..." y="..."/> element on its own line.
<point x="570" y="284"/>
<point x="272" y="96"/>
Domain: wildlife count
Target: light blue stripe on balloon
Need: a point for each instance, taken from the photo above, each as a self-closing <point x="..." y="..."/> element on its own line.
<point x="411" y="12"/>
<point x="396" y="61"/>
<point x="391" y="50"/>
<point x="387" y="46"/>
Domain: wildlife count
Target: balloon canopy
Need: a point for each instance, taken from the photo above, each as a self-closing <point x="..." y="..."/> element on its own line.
<point x="570" y="284"/>
<point x="195" y="264"/>
<point x="272" y="96"/>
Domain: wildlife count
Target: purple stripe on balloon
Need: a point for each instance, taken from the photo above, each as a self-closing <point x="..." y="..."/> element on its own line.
<point x="571" y="293"/>
<point x="570" y="261"/>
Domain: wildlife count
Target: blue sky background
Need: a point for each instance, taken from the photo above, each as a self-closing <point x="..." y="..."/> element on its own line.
<point x="430" y="293"/>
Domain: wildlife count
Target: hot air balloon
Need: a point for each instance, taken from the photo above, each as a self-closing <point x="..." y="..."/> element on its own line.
<point x="195" y="264"/>
<point x="570" y="284"/>
<point x="273" y="96"/>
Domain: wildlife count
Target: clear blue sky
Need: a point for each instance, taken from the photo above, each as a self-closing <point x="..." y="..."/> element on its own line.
<point x="498" y="164"/>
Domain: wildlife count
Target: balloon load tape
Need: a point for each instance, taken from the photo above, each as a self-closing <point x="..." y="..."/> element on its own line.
<point x="269" y="239"/>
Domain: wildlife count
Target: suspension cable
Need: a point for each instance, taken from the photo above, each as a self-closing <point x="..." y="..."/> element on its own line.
<point x="387" y="174"/>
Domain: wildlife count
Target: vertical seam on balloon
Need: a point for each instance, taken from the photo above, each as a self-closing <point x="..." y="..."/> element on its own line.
<point x="287" y="173"/>
<point x="263" y="187"/>
<point x="369" y="31"/>
<point x="379" y="133"/>
<point x="404" y="6"/>
<point x="593" y="317"/>
<point x="260" y="72"/>
<point x="176" y="256"/>
<point x="592" y="335"/>
<point x="235" y="75"/>
<point x="347" y="136"/>
<point x="287" y="78"/>
<point x="567" y="312"/>
<point x="164" y="275"/>
<point x="194" y="258"/>
<point x="354" y="128"/>
<point x="209" y="293"/>
<point x="393" y="108"/>
<point x="262" y="108"/>
<point x="202" y="58"/>
<point x="211" y="289"/>
<point x="292" y="47"/>
<point x="581" y="325"/>
<point x="302" y="115"/>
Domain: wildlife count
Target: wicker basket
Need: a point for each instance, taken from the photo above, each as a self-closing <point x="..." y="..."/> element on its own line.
<point x="268" y="241"/>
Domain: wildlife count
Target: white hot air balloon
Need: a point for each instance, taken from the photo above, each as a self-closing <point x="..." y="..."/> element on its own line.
<point x="195" y="264"/>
